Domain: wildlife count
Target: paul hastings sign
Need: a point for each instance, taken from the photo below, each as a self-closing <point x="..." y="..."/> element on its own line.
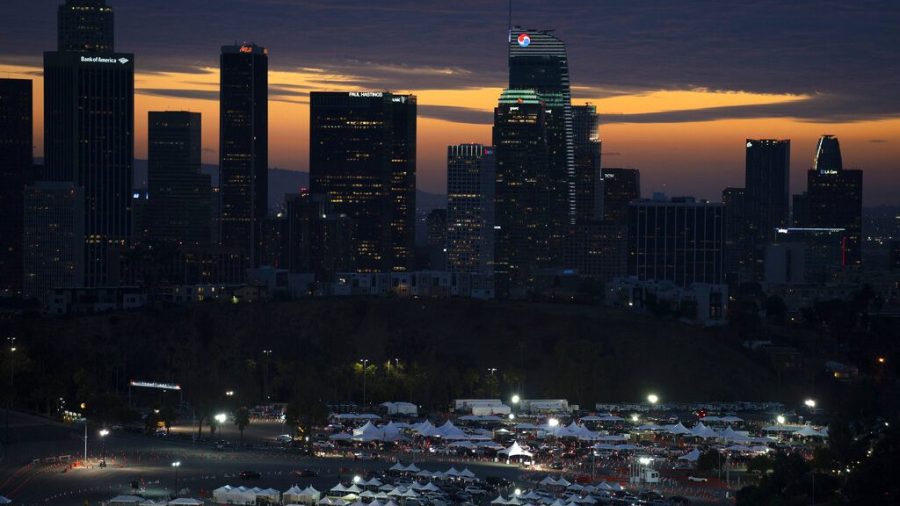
<point x="103" y="59"/>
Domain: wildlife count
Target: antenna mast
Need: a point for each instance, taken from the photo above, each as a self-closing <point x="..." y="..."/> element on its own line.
<point x="509" y="25"/>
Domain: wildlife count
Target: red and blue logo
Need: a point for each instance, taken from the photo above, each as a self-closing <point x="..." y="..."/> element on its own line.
<point x="524" y="39"/>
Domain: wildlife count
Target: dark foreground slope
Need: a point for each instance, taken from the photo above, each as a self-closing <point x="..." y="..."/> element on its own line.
<point x="427" y="350"/>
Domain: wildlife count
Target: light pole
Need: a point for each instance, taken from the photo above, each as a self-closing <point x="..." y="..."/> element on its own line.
<point x="103" y="434"/>
<point x="652" y="399"/>
<point x="266" y="355"/>
<point x="176" y="465"/>
<point x="365" y="363"/>
<point x="12" y="366"/>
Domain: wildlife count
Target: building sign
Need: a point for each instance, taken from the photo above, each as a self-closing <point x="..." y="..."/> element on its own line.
<point x="366" y="94"/>
<point x="101" y="59"/>
<point x="524" y="39"/>
<point x="156" y="385"/>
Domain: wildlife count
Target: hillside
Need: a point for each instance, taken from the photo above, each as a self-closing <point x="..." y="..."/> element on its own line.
<point x="427" y="350"/>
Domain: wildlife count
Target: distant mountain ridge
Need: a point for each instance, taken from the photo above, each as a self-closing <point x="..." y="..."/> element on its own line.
<point x="284" y="181"/>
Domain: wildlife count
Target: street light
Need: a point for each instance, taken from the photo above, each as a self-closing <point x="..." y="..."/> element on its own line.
<point x="645" y="461"/>
<point x="780" y="419"/>
<point x="176" y="465"/>
<point x="365" y="364"/>
<point x="492" y="370"/>
<point x="103" y="434"/>
<point x="653" y="399"/>
<point x="810" y="403"/>
<point x="553" y="422"/>
<point x="229" y="393"/>
<point x="515" y="399"/>
<point x="221" y="418"/>
<point x="635" y="418"/>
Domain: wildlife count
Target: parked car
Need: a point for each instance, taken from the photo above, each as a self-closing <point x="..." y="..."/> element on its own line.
<point x="250" y="475"/>
<point x="698" y="479"/>
<point x="306" y="473"/>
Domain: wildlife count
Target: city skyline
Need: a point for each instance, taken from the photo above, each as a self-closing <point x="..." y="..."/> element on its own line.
<point x="681" y="121"/>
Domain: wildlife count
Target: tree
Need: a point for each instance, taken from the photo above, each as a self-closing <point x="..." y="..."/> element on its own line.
<point x="242" y="420"/>
<point x="304" y="413"/>
<point x="708" y="460"/>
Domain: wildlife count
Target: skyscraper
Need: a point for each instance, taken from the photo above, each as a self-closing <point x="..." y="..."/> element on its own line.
<point x="403" y="181"/>
<point x="178" y="208"/>
<point x="317" y="239"/>
<point x="522" y="195"/>
<point x="53" y="238"/>
<point x="471" y="178"/>
<point x="243" y="146"/>
<point x="681" y="240"/>
<point x="89" y="131"/>
<point x="85" y="26"/>
<point x="736" y="256"/>
<point x="766" y="196"/>
<point x="588" y="180"/>
<point x="15" y="172"/>
<point x="538" y="61"/>
<point x="362" y="159"/>
<point x="620" y="187"/>
<point x="834" y="198"/>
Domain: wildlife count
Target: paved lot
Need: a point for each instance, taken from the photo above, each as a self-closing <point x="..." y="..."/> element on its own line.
<point x="133" y="457"/>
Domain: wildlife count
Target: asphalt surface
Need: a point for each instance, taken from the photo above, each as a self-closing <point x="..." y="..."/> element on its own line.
<point x="148" y="460"/>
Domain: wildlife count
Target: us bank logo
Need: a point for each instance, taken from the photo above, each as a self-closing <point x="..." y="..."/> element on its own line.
<point x="524" y="40"/>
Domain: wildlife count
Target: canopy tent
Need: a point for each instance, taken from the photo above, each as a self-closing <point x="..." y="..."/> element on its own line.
<point x="185" y="501"/>
<point x="808" y="431"/>
<point x="691" y="456"/>
<point x="514" y="450"/>
<point x="678" y="429"/>
<point x="703" y="431"/>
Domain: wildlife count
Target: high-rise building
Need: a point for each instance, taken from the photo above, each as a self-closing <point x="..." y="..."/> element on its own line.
<point x="362" y="159"/>
<point x="179" y="207"/>
<point x="834" y="198"/>
<point x="766" y="197"/>
<point x="53" y="238"/>
<point x="403" y="181"/>
<point x="471" y="177"/>
<point x="243" y="146"/>
<point x="89" y="131"/>
<point x="15" y="172"/>
<point x="523" y="224"/>
<point x="436" y="239"/>
<point x="620" y="187"/>
<point x="804" y="255"/>
<point x="317" y="239"/>
<point x="588" y="180"/>
<point x="597" y="250"/>
<point x="681" y="240"/>
<point x="85" y="26"/>
<point x="538" y="61"/>
<point x="736" y="227"/>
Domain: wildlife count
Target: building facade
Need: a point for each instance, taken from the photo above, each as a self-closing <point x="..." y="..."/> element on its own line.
<point x="243" y="147"/>
<point x="178" y="203"/>
<point x="681" y="240"/>
<point x="53" y="238"/>
<point x="588" y="180"/>
<point x="362" y="160"/>
<point x="89" y="131"/>
<point x="471" y="176"/>
<point x="522" y="222"/>
<point x="766" y="197"/>
<point x="15" y="172"/>
<point x="620" y="187"/>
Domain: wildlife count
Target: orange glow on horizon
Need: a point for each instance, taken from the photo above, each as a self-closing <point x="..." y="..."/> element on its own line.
<point x="672" y="157"/>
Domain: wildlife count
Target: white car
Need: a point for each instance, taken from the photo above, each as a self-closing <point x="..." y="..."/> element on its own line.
<point x="284" y="438"/>
<point x="698" y="479"/>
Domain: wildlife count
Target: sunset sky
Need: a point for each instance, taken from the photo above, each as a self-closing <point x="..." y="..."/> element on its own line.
<point x="680" y="85"/>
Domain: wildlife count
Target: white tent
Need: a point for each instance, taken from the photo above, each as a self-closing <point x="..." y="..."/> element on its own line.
<point x="678" y="429"/>
<point x="291" y="495"/>
<point x="691" y="456"/>
<point x="514" y="450"/>
<point x="120" y="500"/>
<point x="808" y="431"/>
<point x="450" y="431"/>
<point x="185" y="501"/>
<point x="703" y="431"/>
<point x="368" y="432"/>
<point x="500" y="500"/>
<point x="309" y="495"/>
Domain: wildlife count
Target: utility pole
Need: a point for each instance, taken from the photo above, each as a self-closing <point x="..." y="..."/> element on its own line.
<point x="12" y="366"/>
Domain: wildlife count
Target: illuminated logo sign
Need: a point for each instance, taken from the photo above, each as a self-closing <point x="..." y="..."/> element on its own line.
<point x="156" y="385"/>
<point x="366" y="94"/>
<point x="524" y="39"/>
<point x="749" y="144"/>
<point x="246" y="49"/>
<point x="101" y="59"/>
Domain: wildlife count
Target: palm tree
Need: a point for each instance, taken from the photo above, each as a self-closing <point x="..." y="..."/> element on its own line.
<point x="242" y="420"/>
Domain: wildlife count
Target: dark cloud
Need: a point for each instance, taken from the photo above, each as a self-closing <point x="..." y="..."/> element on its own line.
<point x="176" y="93"/>
<point x="843" y="54"/>
<point x="456" y="114"/>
